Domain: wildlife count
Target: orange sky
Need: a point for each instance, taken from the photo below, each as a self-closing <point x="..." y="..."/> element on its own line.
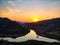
<point x="29" y="10"/>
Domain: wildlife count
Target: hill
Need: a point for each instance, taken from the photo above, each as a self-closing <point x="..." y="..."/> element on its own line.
<point x="9" y="28"/>
<point x="47" y="28"/>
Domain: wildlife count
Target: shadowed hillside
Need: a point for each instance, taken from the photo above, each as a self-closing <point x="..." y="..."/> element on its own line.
<point x="47" y="28"/>
<point x="12" y="29"/>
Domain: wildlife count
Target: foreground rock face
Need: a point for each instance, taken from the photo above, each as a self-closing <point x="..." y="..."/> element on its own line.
<point x="12" y="29"/>
<point x="47" y="28"/>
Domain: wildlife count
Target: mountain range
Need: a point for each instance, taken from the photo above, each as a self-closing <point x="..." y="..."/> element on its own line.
<point x="47" y="28"/>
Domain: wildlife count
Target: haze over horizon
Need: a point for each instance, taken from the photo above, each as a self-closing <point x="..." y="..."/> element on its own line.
<point x="29" y="10"/>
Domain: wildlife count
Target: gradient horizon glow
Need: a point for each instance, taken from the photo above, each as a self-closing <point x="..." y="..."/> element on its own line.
<point x="27" y="10"/>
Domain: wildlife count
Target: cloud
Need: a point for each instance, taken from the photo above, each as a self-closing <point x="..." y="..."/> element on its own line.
<point x="12" y="3"/>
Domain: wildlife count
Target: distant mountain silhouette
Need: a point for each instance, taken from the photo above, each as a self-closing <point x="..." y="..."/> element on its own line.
<point x="12" y="29"/>
<point x="48" y="28"/>
<point x="29" y="42"/>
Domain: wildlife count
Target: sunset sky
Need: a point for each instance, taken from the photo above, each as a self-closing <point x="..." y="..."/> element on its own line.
<point x="29" y="10"/>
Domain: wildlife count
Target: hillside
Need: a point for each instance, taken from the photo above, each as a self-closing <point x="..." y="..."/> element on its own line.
<point x="47" y="28"/>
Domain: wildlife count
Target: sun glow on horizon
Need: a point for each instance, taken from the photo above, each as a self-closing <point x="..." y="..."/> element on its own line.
<point x="35" y="19"/>
<point x="28" y="10"/>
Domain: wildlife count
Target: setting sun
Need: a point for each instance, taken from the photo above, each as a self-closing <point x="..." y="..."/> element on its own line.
<point x="35" y="19"/>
